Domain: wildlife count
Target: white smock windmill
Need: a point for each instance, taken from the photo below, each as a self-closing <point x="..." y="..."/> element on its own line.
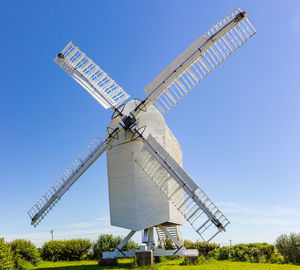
<point x="148" y="188"/>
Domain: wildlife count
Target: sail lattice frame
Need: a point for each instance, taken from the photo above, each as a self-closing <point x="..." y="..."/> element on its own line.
<point x="189" y="199"/>
<point x="91" y="77"/>
<point x="51" y="197"/>
<point x="199" y="59"/>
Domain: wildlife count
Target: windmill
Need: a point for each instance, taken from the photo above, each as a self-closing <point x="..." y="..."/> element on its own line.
<point x="148" y="188"/>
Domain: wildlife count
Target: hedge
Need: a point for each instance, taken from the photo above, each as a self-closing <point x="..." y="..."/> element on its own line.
<point x="6" y="256"/>
<point x="255" y="252"/>
<point x="203" y="247"/>
<point x="65" y="250"/>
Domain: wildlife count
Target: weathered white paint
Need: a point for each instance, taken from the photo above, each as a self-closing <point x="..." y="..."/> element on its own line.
<point x="136" y="202"/>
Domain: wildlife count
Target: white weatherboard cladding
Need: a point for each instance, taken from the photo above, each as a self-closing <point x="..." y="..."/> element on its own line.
<point x="136" y="202"/>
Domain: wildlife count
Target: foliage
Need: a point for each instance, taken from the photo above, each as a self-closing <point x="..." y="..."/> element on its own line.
<point x="160" y="259"/>
<point x="87" y="257"/>
<point x="255" y="252"/>
<point x="108" y="242"/>
<point x="130" y="245"/>
<point x="277" y="258"/>
<point x="76" y="248"/>
<point x="69" y="250"/>
<point x="214" y="254"/>
<point x="193" y="260"/>
<point x="289" y="247"/>
<point x="25" y="253"/>
<point x="6" y="255"/>
<point x="105" y="242"/>
<point x="21" y="263"/>
<point x="203" y="247"/>
<point x="53" y="250"/>
<point x="169" y="245"/>
<point x="225" y="253"/>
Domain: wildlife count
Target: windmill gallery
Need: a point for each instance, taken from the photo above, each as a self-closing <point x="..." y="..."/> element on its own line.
<point x="148" y="188"/>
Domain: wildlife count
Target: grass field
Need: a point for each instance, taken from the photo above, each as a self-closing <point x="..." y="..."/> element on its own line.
<point x="169" y="265"/>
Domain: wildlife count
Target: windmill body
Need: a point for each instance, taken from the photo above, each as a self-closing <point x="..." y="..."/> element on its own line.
<point x="135" y="201"/>
<point x="148" y="188"/>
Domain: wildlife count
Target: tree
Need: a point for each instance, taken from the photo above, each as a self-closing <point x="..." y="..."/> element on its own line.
<point x="108" y="242"/>
<point x="289" y="247"/>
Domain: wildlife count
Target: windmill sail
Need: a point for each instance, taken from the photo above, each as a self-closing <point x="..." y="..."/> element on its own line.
<point x="199" y="59"/>
<point x="91" y="77"/>
<point x="41" y="208"/>
<point x="182" y="191"/>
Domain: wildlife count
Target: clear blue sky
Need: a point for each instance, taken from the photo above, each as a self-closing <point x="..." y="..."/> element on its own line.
<point x="239" y="129"/>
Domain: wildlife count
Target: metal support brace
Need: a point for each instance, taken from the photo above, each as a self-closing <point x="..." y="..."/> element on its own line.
<point x="125" y="240"/>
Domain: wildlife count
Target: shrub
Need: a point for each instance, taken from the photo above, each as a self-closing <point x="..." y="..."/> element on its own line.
<point x="87" y="257"/>
<point x="160" y="259"/>
<point x="289" y="247"/>
<point x="76" y="248"/>
<point x="53" y="251"/>
<point x="203" y="247"/>
<point x="108" y="242"/>
<point x="277" y="258"/>
<point x="214" y="254"/>
<point x="130" y="245"/>
<point x="6" y="256"/>
<point x="255" y="252"/>
<point x="105" y="242"/>
<point x="224" y="253"/>
<point x="169" y="245"/>
<point x="22" y="264"/>
<point x="193" y="260"/>
<point x="25" y="252"/>
<point x="63" y="250"/>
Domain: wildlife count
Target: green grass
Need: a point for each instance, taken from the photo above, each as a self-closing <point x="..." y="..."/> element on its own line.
<point x="168" y="265"/>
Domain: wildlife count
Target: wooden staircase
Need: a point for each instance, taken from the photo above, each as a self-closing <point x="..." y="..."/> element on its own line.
<point x="173" y="230"/>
